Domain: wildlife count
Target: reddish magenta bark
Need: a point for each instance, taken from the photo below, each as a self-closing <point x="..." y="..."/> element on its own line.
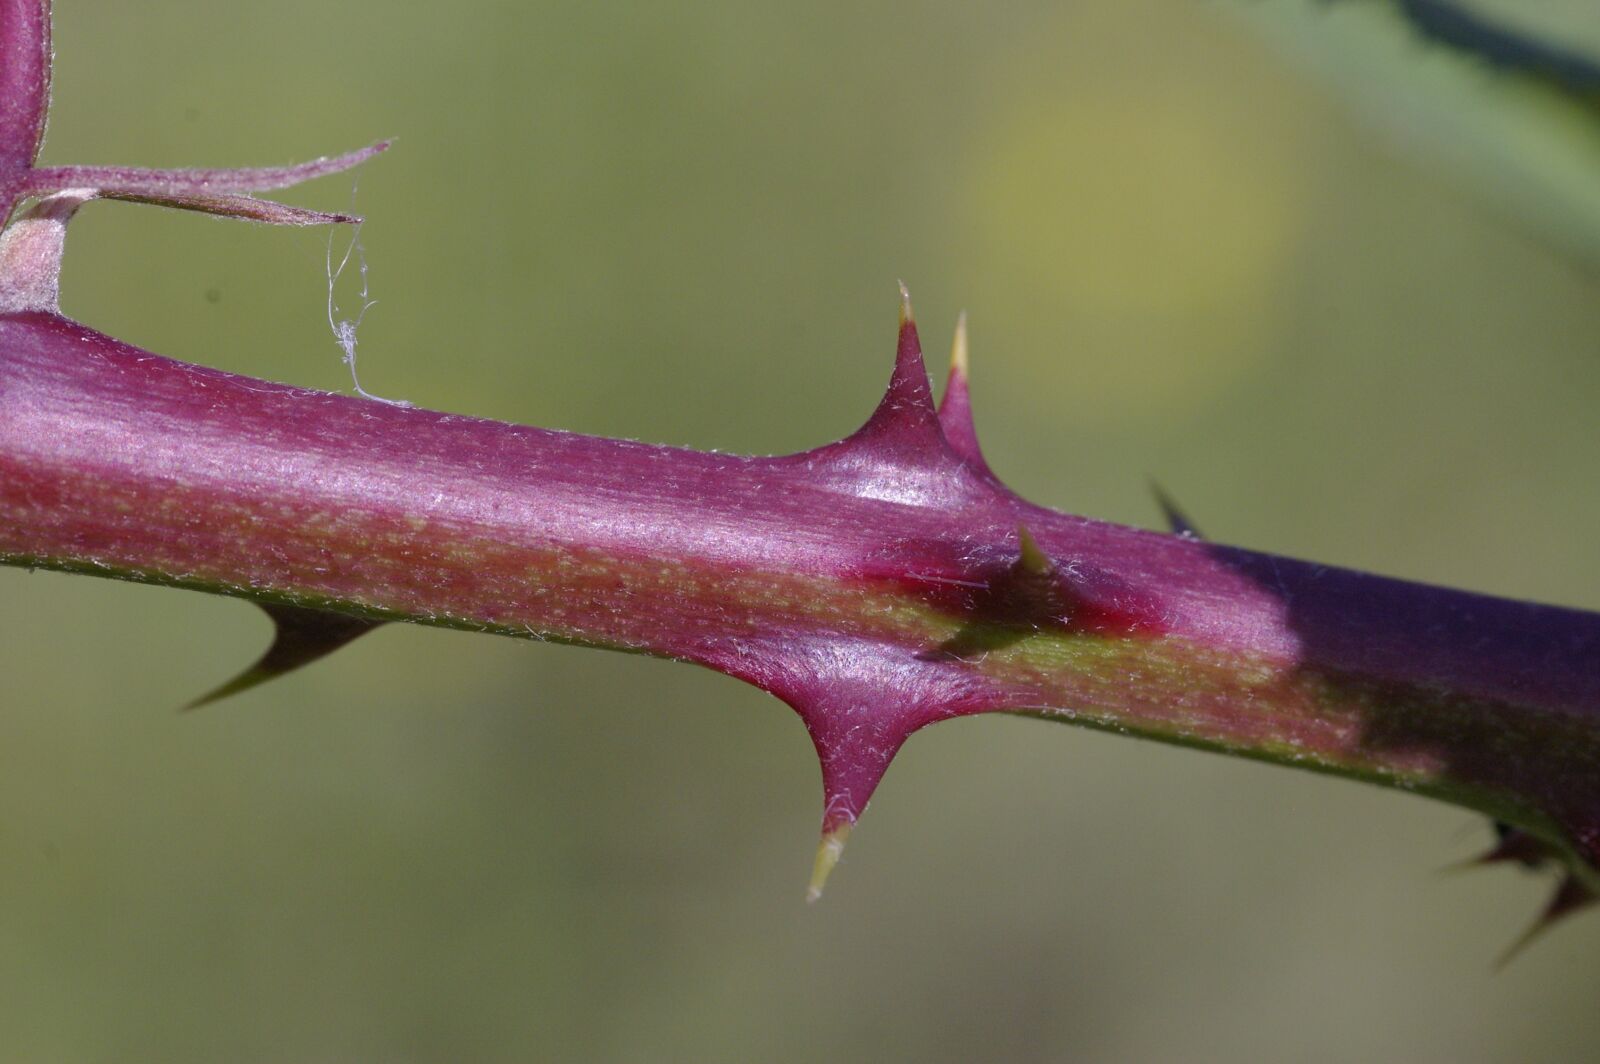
<point x="24" y="83"/>
<point x="878" y="584"/>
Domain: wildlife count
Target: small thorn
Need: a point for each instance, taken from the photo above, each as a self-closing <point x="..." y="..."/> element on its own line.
<point x="829" y="850"/>
<point x="958" y="349"/>
<point x="1177" y="521"/>
<point x="1033" y="559"/>
<point x="1032" y="592"/>
<point x="910" y="371"/>
<point x="1570" y="897"/>
<point x="301" y="636"/>
<point x="904" y="428"/>
<point x="909" y="382"/>
<point x="955" y="408"/>
<point x="1514" y="844"/>
<point x="1511" y="845"/>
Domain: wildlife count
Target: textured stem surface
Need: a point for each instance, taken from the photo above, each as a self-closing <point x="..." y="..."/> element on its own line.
<point x="877" y="585"/>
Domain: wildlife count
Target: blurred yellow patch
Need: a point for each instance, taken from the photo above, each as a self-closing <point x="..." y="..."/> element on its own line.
<point x="1141" y="192"/>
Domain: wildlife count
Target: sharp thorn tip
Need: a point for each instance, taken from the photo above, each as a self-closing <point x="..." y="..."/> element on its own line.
<point x="1032" y="559"/>
<point x="1178" y="522"/>
<point x="1571" y="896"/>
<point x="829" y="850"/>
<point x="958" y="347"/>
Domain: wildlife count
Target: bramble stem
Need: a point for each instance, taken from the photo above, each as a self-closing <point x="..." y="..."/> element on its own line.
<point x="878" y="584"/>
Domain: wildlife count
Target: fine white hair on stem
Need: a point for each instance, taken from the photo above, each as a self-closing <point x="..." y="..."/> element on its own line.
<point x="344" y="329"/>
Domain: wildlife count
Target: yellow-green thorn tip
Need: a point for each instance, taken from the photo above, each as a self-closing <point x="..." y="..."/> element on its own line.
<point x="829" y="850"/>
<point x="906" y="317"/>
<point x="958" y="348"/>
<point x="1033" y="558"/>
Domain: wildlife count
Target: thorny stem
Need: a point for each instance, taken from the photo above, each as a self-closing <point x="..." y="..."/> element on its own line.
<point x="878" y="584"/>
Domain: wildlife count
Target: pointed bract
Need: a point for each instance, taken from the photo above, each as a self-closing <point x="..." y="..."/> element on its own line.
<point x="233" y="205"/>
<point x="301" y="637"/>
<point x="198" y="180"/>
<point x="24" y="106"/>
<point x="216" y="192"/>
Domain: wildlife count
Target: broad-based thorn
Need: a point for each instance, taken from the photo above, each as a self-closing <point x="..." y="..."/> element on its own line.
<point x="909" y="393"/>
<point x="904" y="427"/>
<point x="301" y="637"/>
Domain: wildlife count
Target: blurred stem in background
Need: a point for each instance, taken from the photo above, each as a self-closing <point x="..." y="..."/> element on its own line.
<point x="1501" y="94"/>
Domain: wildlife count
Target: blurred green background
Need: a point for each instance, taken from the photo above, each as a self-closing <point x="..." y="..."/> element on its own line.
<point x="683" y="223"/>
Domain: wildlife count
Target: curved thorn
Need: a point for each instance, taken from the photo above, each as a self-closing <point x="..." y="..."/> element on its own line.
<point x="1514" y="844"/>
<point x="1570" y="897"/>
<point x="1520" y="848"/>
<point x="829" y="850"/>
<point x="302" y="636"/>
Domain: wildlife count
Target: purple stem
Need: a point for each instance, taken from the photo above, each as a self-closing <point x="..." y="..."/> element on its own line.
<point x="24" y="82"/>
<point x="877" y="585"/>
